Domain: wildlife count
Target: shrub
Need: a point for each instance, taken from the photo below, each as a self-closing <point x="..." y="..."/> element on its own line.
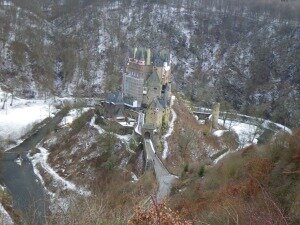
<point x="107" y="142"/>
<point x="186" y="168"/>
<point x="233" y="168"/>
<point x="80" y="122"/>
<point x="201" y="171"/>
<point x="133" y="144"/>
<point x="109" y="164"/>
<point x="157" y="214"/>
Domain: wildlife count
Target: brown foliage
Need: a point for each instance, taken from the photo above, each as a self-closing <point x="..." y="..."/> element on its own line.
<point x="158" y="214"/>
<point x="259" y="168"/>
<point x="294" y="143"/>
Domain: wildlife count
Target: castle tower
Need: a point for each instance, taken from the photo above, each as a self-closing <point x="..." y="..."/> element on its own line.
<point x="154" y="114"/>
<point x="215" y="115"/>
<point x="134" y="52"/>
<point x="146" y="77"/>
<point x="153" y="88"/>
<point x="148" y="61"/>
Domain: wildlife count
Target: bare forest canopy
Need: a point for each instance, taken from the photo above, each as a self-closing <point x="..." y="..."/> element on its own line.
<point x="280" y="9"/>
<point x="242" y="53"/>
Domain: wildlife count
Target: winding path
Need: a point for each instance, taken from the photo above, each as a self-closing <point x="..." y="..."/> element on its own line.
<point x="164" y="177"/>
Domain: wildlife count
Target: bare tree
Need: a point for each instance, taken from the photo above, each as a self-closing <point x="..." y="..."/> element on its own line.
<point x="5" y="100"/>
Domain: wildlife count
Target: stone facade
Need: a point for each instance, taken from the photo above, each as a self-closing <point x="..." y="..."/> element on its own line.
<point x="154" y="114"/>
<point x="147" y="82"/>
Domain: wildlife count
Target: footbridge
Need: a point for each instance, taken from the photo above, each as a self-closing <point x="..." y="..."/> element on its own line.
<point x="202" y="113"/>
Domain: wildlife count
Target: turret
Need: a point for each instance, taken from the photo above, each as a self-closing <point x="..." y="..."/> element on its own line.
<point x="215" y="115"/>
<point x="134" y="52"/>
<point x="148" y="61"/>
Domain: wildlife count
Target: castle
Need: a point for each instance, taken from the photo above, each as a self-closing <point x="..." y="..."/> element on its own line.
<point x="147" y="85"/>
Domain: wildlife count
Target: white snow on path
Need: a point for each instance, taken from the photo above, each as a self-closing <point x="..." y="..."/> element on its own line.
<point x="125" y="138"/>
<point x="140" y="123"/>
<point x="247" y="133"/>
<point x="268" y="124"/>
<point x="221" y="157"/>
<point x="168" y="134"/>
<point x="18" y="119"/>
<point x="4" y="216"/>
<point x="170" y="130"/>
<point x="41" y="159"/>
<point x="97" y="127"/>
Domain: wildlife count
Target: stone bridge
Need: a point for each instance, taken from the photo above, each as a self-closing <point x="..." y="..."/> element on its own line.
<point x="163" y="176"/>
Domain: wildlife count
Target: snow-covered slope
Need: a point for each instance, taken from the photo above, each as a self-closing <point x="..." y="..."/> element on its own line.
<point x="17" y="119"/>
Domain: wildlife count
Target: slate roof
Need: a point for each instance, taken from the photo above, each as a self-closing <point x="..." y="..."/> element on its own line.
<point x="158" y="57"/>
<point x="115" y="98"/>
<point x="155" y="104"/>
<point x="153" y="79"/>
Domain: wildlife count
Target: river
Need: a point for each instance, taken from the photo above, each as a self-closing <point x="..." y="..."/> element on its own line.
<point x="23" y="185"/>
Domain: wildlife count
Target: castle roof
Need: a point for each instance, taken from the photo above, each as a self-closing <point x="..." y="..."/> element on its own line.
<point x="157" y="57"/>
<point x="115" y="97"/>
<point x="165" y="103"/>
<point x="153" y="79"/>
<point x="155" y="104"/>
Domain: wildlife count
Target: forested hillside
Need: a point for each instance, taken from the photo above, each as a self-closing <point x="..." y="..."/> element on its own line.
<point x="244" y="54"/>
<point x="68" y="157"/>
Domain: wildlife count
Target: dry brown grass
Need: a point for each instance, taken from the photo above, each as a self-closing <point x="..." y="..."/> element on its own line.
<point x="189" y="140"/>
<point x="186" y="129"/>
<point x="260" y="186"/>
<point x="113" y="201"/>
<point x="158" y="214"/>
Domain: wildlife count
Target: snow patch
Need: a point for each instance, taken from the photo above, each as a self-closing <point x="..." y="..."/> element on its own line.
<point x="72" y="115"/>
<point x="97" y="127"/>
<point x="18" y="119"/>
<point x="125" y="124"/>
<point x="4" y="216"/>
<point x="221" y="157"/>
<point x="140" y="123"/>
<point x="134" y="177"/>
<point x="41" y="159"/>
<point x="125" y="138"/>
<point x="247" y="133"/>
<point x="219" y="133"/>
<point x="168" y="134"/>
<point x="170" y="130"/>
<point x="19" y="161"/>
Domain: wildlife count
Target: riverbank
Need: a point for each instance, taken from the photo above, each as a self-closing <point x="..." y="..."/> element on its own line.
<point x="24" y="186"/>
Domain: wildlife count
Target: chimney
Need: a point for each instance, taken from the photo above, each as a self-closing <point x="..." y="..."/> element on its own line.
<point x="148" y="61"/>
